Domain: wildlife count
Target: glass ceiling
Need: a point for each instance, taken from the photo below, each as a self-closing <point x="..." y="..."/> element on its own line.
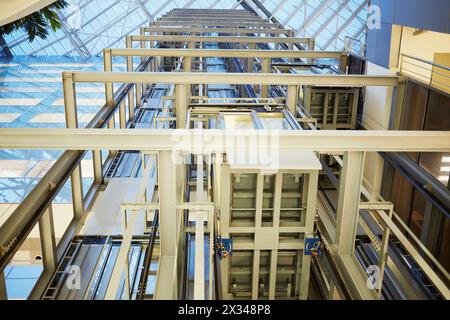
<point x="91" y="25"/>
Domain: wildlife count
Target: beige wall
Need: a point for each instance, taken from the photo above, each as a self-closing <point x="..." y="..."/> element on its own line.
<point x="426" y="45"/>
<point x="430" y="46"/>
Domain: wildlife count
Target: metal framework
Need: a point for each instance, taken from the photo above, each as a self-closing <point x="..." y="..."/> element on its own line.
<point x="87" y="30"/>
<point x="191" y="182"/>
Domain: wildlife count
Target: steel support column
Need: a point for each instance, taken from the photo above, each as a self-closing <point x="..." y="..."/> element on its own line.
<point x="181" y="105"/>
<point x="265" y="68"/>
<point x="258" y="223"/>
<point x="309" y="226"/>
<point x="123" y="115"/>
<point x="347" y="213"/>
<point x="224" y="218"/>
<point x="98" y="169"/>
<point x="72" y="123"/>
<point x="292" y="99"/>
<point x="48" y="242"/>
<point x="276" y="225"/>
<point x="167" y="282"/>
<point x="109" y="87"/>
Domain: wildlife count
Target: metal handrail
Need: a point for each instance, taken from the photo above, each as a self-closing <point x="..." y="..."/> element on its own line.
<point x="425" y="71"/>
<point x="426" y="61"/>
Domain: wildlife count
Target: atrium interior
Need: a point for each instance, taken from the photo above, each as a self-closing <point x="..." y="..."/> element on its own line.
<point x="225" y="150"/>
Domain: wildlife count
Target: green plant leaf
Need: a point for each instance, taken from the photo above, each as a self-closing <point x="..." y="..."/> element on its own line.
<point x="37" y="23"/>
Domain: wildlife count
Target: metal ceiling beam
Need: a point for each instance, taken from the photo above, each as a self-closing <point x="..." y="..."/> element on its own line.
<point x="236" y="30"/>
<point x="108" y="26"/>
<point x="277" y="8"/>
<point x="328" y="21"/>
<point x="231" y="53"/>
<point x="232" y="78"/>
<point x="73" y="37"/>
<point x="317" y="12"/>
<point x="293" y="13"/>
<point x="144" y="9"/>
<point x="216" y="140"/>
<point x="171" y="38"/>
<point x="344" y="25"/>
<point x="216" y="24"/>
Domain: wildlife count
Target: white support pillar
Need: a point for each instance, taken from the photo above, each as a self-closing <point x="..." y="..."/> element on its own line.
<point x="77" y="192"/>
<point x="122" y="115"/>
<point x="347" y="212"/>
<point x="311" y="46"/>
<point x="130" y="68"/>
<point x="181" y="105"/>
<point x="273" y="273"/>
<point x="72" y="123"/>
<point x="142" y="43"/>
<point x="98" y="170"/>
<point x="107" y="66"/>
<point x="265" y="68"/>
<point x="255" y="274"/>
<point x="167" y="282"/>
<point x="131" y="107"/>
<point x="309" y="227"/>
<point x="109" y="87"/>
<point x="251" y="46"/>
<point x="258" y="223"/>
<point x="138" y="87"/>
<point x="292" y="99"/>
<point x="70" y="107"/>
<point x="200" y="217"/>
<point x="211" y="221"/>
<point x="199" y="264"/>
<point x="276" y="225"/>
<point x="225" y="190"/>
<point x="48" y="242"/>
<point x="187" y="64"/>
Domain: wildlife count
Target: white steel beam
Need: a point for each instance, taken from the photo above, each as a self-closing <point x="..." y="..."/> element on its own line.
<point x="219" y="30"/>
<point x="216" y="140"/>
<point x="230" y="53"/>
<point x="229" y="39"/>
<point x="216" y="24"/>
<point x="234" y="78"/>
<point x="196" y="19"/>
